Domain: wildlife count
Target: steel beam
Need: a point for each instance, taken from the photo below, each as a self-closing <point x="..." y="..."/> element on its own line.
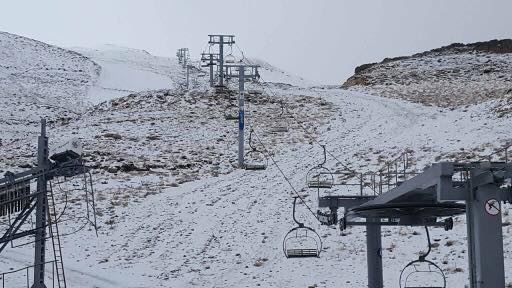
<point x="374" y="256"/>
<point x="41" y="210"/>
<point x="485" y="238"/>
<point x="434" y="177"/>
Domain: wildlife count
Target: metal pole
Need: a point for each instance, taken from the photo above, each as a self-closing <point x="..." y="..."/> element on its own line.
<point x="211" y="70"/>
<point x="374" y="255"/>
<point x="485" y="237"/>
<point x="221" y="61"/>
<point x="241" y="112"/>
<point x="41" y="209"/>
<point x="188" y="76"/>
<point x="184" y="58"/>
<point x="471" y="252"/>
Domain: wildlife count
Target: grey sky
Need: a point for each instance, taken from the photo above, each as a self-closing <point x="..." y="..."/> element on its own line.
<point x="322" y="40"/>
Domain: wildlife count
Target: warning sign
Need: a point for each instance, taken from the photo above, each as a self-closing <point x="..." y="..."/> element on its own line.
<point x="492" y="207"/>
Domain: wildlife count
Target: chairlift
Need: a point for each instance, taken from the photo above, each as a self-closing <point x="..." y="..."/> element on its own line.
<point x="301" y="241"/>
<point x="282" y="124"/>
<point x="231" y="112"/>
<point x="320" y="176"/>
<point x="418" y="272"/>
<point x="254" y="159"/>
<point x="230" y="59"/>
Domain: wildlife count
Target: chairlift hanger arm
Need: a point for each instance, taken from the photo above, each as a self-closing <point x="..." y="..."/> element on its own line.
<point x="325" y="157"/>
<point x="424" y="256"/>
<point x="432" y="269"/>
<point x="294" y="218"/>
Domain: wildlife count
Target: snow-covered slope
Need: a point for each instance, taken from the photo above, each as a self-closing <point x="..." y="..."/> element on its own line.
<point x="125" y="70"/>
<point x="451" y="76"/>
<point x="272" y="74"/>
<point x="175" y="212"/>
<point x="36" y="80"/>
<point x="225" y="230"/>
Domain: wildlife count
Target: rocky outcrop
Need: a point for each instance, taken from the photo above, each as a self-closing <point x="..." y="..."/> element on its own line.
<point x="450" y="76"/>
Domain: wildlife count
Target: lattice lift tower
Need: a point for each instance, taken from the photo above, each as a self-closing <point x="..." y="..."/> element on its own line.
<point x="221" y="40"/>
<point x="183" y="56"/>
<point x="18" y="198"/>
<point x="210" y="60"/>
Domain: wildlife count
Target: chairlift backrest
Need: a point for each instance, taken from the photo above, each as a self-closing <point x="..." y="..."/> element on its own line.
<point x="255" y="159"/>
<point x="422" y="274"/>
<point x="229" y="59"/>
<point x="431" y="276"/>
<point x="320" y="176"/>
<point x="301" y="241"/>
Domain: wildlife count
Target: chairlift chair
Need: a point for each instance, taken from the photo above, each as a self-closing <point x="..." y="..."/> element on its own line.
<point x="229" y="59"/>
<point x="282" y="124"/>
<point x="320" y="177"/>
<point x="255" y="159"/>
<point x="231" y="112"/>
<point x="417" y="272"/>
<point x="301" y="241"/>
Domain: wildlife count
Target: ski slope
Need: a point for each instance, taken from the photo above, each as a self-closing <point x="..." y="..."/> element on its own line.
<point x="125" y="71"/>
<point x="211" y="232"/>
<point x="209" y="224"/>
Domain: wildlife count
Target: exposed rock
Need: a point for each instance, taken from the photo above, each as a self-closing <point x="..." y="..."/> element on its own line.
<point x="451" y="76"/>
<point x="112" y="136"/>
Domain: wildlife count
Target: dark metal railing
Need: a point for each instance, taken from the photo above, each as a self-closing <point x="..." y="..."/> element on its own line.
<point x="27" y="277"/>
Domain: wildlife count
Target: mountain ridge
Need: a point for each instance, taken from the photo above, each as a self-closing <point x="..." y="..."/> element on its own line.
<point x="453" y="76"/>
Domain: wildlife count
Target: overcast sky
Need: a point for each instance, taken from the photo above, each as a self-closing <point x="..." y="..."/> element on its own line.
<point x="320" y="40"/>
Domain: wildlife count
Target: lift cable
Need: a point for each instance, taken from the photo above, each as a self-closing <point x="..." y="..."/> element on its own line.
<point x="267" y="89"/>
<point x="284" y="175"/>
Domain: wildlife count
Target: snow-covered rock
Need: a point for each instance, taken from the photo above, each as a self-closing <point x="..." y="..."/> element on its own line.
<point x="451" y="76"/>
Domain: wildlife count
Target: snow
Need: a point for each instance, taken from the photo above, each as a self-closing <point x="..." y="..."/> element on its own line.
<point x="447" y="79"/>
<point x="273" y="74"/>
<point x="37" y="79"/>
<point x="125" y="71"/>
<point x="186" y="217"/>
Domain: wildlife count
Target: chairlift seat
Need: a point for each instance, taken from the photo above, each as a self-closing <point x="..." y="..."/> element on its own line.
<point x="229" y="59"/>
<point x="320" y="176"/>
<point x="320" y="184"/>
<point x="279" y="129"/>
<point x="255" y="160"/>
<point x="302" y="253"/>
<point x="231" y="117"/>
<point x="309" y="250"/>
<point x="255" y="166"/>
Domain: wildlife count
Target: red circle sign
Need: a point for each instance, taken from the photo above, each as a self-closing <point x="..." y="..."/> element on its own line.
<point x="492" y="207"/>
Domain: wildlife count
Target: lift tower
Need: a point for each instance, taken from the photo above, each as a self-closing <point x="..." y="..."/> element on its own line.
<point x="221" y="40"/>
<point x="210" y="60"/>
<point x="18" y="199"/>
<point x="243" y="73"/>
<point x="183" y="56"/>
<point x="41" y="208"/>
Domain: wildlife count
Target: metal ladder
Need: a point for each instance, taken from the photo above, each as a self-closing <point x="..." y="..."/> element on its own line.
<point x="57" y="248"/>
